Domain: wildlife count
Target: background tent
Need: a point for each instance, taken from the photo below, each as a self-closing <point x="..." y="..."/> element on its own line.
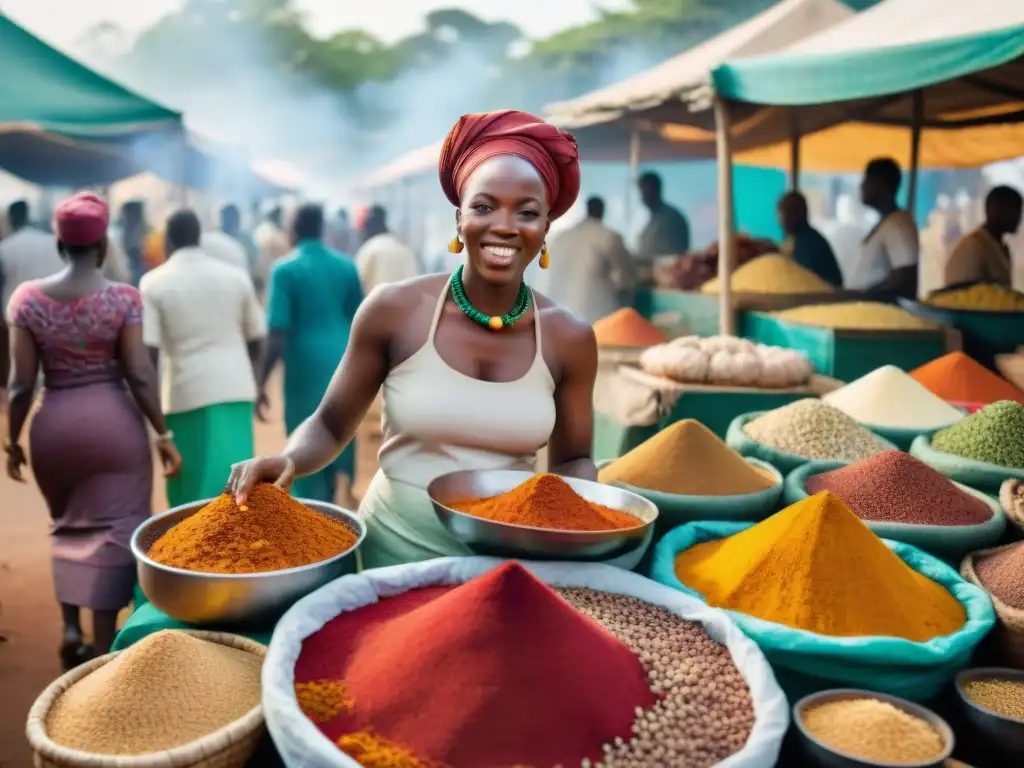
<point x="50" y="90"/>
<point x="609" y="121"/>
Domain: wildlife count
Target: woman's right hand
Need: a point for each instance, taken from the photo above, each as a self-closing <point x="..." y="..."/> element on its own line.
<point x="170" y="457"/>
<point x="279" y="470"/>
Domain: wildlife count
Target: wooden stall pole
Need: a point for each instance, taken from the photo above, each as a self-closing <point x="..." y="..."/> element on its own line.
<point x="726" y="218"/>
<point x="634" y="173"/>
<point x="915" y="149"/>
<point x="794" y="149"/>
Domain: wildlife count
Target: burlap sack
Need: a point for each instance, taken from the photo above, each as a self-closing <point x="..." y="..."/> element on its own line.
<point x="1008" y="634"/>
<point x="1011" y="497"/>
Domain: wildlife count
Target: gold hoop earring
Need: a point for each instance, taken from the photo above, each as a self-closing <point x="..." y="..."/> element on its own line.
<point x="455" y="246"/>
<point x="545" y="257"/>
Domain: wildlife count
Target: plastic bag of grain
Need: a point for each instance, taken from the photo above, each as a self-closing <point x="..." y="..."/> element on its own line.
<point x="301" y="744"/>
<point x="806" y="662"/>
<point x="976" y="474"/>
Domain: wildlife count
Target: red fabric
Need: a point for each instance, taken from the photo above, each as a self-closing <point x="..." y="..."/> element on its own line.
<point x="476" y="138"/>
<point x="498" y="671"/>
<point x="82" y="219"/>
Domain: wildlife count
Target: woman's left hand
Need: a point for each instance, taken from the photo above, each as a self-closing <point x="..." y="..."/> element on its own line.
<point x="15" y="461"/>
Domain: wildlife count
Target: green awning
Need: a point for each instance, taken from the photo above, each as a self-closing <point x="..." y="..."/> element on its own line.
<point x="896" y="47"/>
<point x="47" y="89"/>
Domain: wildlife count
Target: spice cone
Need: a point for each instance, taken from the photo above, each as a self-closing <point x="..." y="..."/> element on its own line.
<point x="815" y="566"/>
<point x="509" y="672"/>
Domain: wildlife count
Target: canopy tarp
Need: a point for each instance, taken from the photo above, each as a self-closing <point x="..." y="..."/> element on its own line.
<point x="604" y="120"/>
<point x="418" y="162"/>
<point x="48" y="89"/>
<point x="51" y="160"/>
<point x="968" y="55"/>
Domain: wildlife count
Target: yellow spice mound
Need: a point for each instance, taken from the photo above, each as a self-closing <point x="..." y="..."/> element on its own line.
<point x="984" y="297"/>
<point x="688" y="459"/>
<point x="815" y="566"/>
<point x="772" y="273"/>
<point x="857" y="316"/>
<point x="165" y="691"/>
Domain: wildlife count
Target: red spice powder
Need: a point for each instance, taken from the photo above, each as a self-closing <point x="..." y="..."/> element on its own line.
<point x="498" y="671"/>
<point x="894" y="487"/>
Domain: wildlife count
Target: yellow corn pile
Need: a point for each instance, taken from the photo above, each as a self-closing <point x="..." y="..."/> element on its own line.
<point x="856" y="315"/>
<point x="984" y="297"/>
<point x="772" y="273"/>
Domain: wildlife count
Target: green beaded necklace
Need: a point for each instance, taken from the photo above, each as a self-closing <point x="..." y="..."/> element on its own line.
<point x="495" y="322"/>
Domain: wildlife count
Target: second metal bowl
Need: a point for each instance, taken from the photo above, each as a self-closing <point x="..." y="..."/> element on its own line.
<point x="223" y="598"/>
<point x="488" y="537"/>
<point x="1001" y="730"/>
<point x="825" y="756"/>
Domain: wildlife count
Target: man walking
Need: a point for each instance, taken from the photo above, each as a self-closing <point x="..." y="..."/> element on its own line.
<point x="202" y="315"/>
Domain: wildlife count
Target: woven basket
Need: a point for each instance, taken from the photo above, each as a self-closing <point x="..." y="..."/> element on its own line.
<point x="1013" y="503"/>
<point x="229" y="747"/>
<point x="1008" y="635"/>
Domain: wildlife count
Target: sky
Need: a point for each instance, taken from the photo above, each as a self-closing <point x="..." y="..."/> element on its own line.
<point x="64" y="21"/>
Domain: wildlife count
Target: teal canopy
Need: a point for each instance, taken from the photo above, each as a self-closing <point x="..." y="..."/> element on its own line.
<point x="968" y="57"/>
<point x="45" y="88"/>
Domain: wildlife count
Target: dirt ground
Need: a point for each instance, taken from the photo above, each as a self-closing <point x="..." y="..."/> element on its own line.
<point x="29" y="616"/>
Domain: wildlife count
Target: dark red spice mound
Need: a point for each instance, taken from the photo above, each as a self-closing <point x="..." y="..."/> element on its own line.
<point x="894" y="487"/>
<point x="497" y="671"/>
<point x="1003" y="575"/>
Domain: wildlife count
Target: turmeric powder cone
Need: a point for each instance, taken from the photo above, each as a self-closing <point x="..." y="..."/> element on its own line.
<point x="815" y="566"/>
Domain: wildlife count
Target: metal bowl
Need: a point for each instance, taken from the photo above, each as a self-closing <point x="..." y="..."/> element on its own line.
<point x="487" y="537"/>
<point x="820" y="754"/>
<point x="229" y="599"/>
<point x="1006" y="732"/>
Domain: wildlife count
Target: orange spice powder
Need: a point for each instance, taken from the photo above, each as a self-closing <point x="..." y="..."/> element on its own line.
<point x="627" y="328"/>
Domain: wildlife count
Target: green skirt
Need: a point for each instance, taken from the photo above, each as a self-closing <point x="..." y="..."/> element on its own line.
<point x="210" y="440"/>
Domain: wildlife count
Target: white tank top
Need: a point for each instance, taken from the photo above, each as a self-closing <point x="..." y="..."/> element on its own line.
<point x="438" y="420"/>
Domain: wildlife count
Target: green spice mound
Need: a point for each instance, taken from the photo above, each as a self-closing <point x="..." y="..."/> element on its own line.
<point x="995" y="435"/>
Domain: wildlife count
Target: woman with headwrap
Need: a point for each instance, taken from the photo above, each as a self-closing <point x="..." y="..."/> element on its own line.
<point x="478" y="371"/>
<point x="90" y="453"/>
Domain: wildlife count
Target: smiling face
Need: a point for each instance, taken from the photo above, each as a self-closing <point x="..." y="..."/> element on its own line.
<point x="503" y="219"/>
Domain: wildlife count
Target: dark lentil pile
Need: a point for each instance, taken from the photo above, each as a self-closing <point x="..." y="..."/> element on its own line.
<point x="1002" y="574"/>
<point x="705" y="713"/>
<point x="894" y="487"/>
<point x="994" y="435"/>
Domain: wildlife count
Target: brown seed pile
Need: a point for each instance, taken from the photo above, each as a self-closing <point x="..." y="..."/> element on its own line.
<point x="1002" y="574"/>
<point x="870" y="729"/>
<point x="705" y="713"/>
<point x="322" y="700"/>
<point x="1004" y="697"/>
<point x="165" y="691"/>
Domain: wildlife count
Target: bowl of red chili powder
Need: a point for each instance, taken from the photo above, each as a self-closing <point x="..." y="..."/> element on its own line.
<point x="542" y="517"/>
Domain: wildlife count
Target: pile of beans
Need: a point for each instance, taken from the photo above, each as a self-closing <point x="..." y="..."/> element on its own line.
<point x="705" y="712"/>
<point x="994" y="435"/>
<point x="814" y="430"/>
<point x="1004" y="697"/>
<point x="857" y="316"/>
<point x="875" y="730"/>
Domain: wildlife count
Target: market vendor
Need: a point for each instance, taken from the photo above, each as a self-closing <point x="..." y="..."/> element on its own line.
<point x="478" y="371"/>
<point x="888" y="258"/>
<point x="982" y="255"/>
<point x="804" y="244"/>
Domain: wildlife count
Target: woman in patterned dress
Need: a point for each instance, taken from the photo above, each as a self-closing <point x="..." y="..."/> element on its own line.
<point x="90" y="452"/>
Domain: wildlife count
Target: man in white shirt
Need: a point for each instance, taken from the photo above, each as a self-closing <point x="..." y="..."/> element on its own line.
<point x="591" y="273"/>
<point x="271" y="242"/>
<point x="223" y="247"/>
<point x="889" y="255"/>
<point x="982" y="256"/>
<point x="203" y="316"/>
<point x="383" y="258"/>
<point x="25" y="254"/>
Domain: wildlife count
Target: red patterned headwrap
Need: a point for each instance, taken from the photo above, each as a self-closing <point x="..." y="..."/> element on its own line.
<point x="81" y="220"/>
<point x="476" y="138"/>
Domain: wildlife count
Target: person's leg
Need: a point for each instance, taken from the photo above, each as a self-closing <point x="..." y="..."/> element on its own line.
<point x="71" y="643"/>
<point x="104" y="629"/>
